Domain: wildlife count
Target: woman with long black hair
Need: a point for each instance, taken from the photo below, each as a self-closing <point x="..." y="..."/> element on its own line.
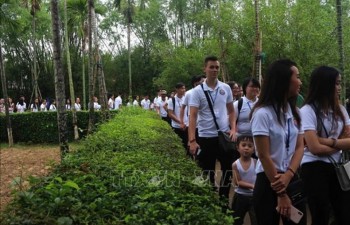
<point x="324" y="121"/>
<point x="278" y="139"/>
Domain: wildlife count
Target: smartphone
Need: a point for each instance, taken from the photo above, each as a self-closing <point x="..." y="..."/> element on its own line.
<point x="295" y="215"/>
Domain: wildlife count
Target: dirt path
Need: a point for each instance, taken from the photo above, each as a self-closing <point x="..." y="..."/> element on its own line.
<point x="22" y="162"/>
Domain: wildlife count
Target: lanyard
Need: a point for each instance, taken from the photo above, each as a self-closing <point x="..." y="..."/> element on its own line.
<point x="211" y="97"/>
<point x="288" y="130"/>
<point x="249" y="106"/>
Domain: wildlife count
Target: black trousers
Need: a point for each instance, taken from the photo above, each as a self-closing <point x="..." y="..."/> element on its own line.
<point x="265" y="203"/>
<point x="242" y="204"/>
<point x="183" y="134"/>
<point x="323" y="192"/>
<point x="210" y="152"/>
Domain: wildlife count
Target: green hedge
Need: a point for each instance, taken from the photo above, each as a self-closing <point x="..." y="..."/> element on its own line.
<point x="41" y="127"/>
<point x="133" y="170"/>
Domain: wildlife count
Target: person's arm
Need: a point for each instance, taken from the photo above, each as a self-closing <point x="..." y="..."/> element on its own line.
<point x="282" y="180"/>
<point x="315" y="146"/>
<point x="182" y="114"/>
<point x="343" y="142"/>
<point x="238" y="181"/>
<point x="231" y="119"/>
<point x="192" y="130"/>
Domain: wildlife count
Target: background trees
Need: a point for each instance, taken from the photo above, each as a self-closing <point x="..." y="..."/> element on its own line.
<point x="168" y="40"/>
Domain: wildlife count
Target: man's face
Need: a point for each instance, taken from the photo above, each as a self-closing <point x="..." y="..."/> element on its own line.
<point x="181" y="90"/>
<point x="211" y="69"/>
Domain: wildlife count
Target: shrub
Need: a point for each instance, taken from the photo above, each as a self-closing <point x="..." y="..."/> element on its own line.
<point x="133" y="170"/>
<point x="41" y="127"/>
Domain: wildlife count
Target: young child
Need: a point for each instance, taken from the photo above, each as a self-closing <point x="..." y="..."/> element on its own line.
<point x="244" y="176"/>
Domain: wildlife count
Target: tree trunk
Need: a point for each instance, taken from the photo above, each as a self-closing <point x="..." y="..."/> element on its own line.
<point x="257" y="50"/>
<point x="4" y="90"/>
<point x="129" y="48"/>
<point x="59" y="80"/>
<point x="70" y="77"/>
<point x="224" y="69"/>
<point x="91" y="71"/>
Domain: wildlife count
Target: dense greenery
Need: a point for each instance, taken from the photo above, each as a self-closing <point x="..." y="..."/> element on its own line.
<point x="133" y="170"/>
<point x="170" y="39"/>
<point x="41" y="127"/>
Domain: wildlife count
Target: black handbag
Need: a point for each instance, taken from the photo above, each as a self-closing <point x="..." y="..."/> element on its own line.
<point x="295" y="191"/>
<point x="225" y="142"/>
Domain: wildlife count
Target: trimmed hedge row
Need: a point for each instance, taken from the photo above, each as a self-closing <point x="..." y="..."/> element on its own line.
<point x="41" y="127"/>
<point x="133" y="170"/>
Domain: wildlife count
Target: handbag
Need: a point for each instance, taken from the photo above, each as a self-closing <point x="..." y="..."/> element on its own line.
<point x="225" y="142"/>
<point x="342" y="169"/>
<point x="295" y="191"/>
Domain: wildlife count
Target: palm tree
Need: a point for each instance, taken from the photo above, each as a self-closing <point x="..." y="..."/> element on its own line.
<point x="59" y="80"/>
<point x="128" y="12"/>
<point x="71" y="86"/>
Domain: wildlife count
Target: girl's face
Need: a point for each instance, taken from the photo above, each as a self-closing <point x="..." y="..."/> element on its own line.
<point x="251" y="90"/>
<point x="295" y="83"/>
<point x="338" y="86"/>
<point x="235" y="90"/>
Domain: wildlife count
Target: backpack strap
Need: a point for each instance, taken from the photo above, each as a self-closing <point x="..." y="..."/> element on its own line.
<point x="240" y="104"/>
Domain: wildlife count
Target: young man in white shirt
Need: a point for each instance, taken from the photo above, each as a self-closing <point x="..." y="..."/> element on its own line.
<point x="118" y="102"/>
<point x="174" y="107"/>
<point x="146" y="103"/>
<point x="221" y="99"/>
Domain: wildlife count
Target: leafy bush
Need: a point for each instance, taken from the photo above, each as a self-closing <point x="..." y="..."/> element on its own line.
<point x="41" y="127"/>
<point x="133" y="170"/>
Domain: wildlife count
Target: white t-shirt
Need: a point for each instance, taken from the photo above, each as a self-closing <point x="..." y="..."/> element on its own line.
<point x="34" y="108"/>
<point x="110" y="103"/>
<point x="161" y="104"/>
<point x="77" y="106"/>
<point x="145" y="103"/>
<point x="264" y="122"/>
<point x="243" y="124"/>
<point x="43" y="107"/>
<point x="185" y="103"/>
<point x="118" y="102"/>
<point x="176" y="111"/>
<point x="220" y="95"/>
<point x="135" y="103"/>
<point x="97" y="106"/>
<point x="309" y="119"/>
<point x="52" y="108"/>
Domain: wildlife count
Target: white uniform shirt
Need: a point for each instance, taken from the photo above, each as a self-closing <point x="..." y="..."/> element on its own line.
<point x="220" y="95"/>
<point x="185" y="103"/>
<point x="110" y="103"/>
<point x="77" y="106"/>
<point x="264" y="122"/>
<point x="34" y="108"/>
<point x="161" y="104"/>
<point x="309" y="119"/>
<point x="52" y="108"/>
<point x="97" y="106"/>
<point x="43" y="108"/>
<point x="118" y="102"/>
<point x="145" y="103"/>
<point x="176" y="111"/>
<point x="243" y="124"/>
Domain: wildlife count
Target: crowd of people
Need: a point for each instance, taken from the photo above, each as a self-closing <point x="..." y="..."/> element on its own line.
<point x="281" y="140"/>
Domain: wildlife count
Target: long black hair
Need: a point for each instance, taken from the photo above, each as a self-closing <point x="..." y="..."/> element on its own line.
<point x="321" y="92"/>
<point x="275" y="89"/>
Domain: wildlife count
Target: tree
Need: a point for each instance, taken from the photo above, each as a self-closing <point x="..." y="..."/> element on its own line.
<point x="59" y="80"/>
<point x="69" y="67"/>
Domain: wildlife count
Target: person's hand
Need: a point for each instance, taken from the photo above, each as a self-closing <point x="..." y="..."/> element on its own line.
<point x="193" y="147"/>
<point x="281" y="182"/>
<point x="233" y="135"/>
<point x="182" y="126"/>
<point x="283" y="205"/>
